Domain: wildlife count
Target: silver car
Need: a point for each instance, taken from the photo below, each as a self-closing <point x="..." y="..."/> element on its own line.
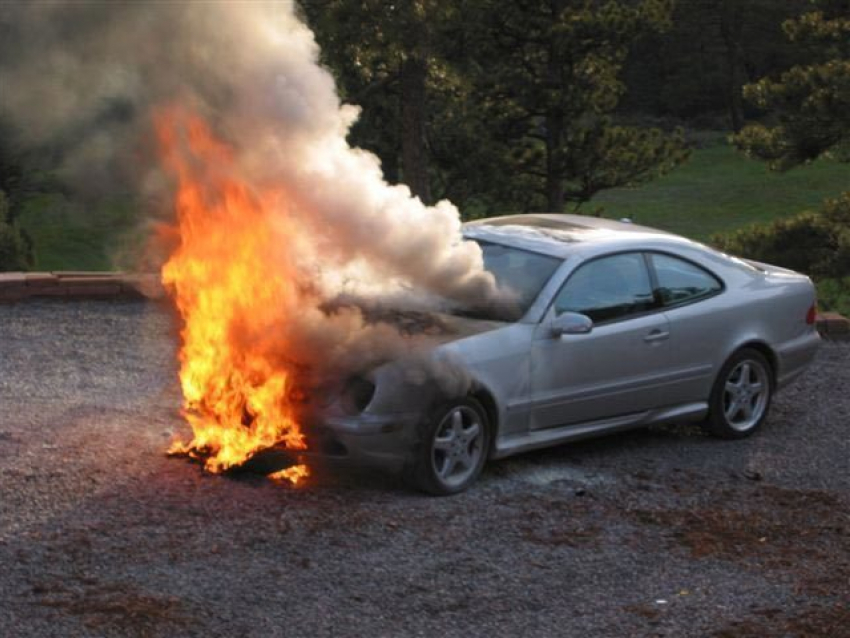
<point x="615" y="326"/>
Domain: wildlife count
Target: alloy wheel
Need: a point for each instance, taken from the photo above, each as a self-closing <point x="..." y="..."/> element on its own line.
<point x="745" y="394"/>
<point x="458" y="446"/>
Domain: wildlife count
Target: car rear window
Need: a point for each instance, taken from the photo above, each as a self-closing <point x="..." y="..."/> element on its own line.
<point x="680" y="281"/>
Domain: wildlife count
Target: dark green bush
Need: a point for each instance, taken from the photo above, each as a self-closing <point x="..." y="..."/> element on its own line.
<point x="815" y="243"/>
<point x="15" y="250"/>
<point x="834" y="294"/>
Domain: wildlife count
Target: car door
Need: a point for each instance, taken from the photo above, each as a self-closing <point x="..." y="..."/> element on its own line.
<point x="616" y="369"/>
<point x="700" y="321"/>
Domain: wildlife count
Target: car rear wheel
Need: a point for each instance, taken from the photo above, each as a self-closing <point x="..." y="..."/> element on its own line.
<point x="452" y="449"/>
<point x="740" y="399"/>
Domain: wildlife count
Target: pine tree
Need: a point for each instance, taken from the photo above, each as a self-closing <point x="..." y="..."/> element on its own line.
<point x="550" y="81"/>
<point x="808" y="105"/>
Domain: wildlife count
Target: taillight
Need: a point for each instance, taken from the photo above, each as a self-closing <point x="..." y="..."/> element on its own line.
<point x="812" y="314"/>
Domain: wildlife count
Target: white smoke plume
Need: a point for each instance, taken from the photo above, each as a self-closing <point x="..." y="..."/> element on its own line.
<point x="85" y="77"/>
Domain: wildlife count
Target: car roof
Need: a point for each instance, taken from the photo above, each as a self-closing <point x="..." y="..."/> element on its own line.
<point x="561" y="235"/>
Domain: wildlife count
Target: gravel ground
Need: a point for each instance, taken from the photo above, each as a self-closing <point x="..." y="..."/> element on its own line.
<point x="661" y="532"/>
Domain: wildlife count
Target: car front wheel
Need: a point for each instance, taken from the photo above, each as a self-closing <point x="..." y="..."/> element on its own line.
<point x="741" y="396"/>
<point x="452" y="449"/>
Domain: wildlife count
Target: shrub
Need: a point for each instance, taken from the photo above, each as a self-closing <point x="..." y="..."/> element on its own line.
<point x="14" y="253"/>
<point x="816" y="243"/>
<point x="834" y="294"/>
<point x="15" y="250"/>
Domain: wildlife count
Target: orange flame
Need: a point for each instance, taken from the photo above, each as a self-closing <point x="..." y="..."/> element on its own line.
<point x="293" y="474"/>
<point x="230" y="279"/>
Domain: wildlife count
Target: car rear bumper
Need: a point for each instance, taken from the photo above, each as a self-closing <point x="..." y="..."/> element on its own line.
<point x="795" y="356"/>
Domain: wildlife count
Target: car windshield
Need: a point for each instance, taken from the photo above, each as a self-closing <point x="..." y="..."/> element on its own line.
<point x="520" y="273"/>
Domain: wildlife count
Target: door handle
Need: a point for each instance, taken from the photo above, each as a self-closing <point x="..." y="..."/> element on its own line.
<point x="656" y="335"/>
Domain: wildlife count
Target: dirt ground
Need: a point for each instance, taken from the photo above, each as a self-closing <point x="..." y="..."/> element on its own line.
<point x="660" y="532"/>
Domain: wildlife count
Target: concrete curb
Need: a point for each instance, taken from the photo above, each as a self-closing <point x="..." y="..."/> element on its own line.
<point x="18" y="286"/>
<point x="833" y="326"/>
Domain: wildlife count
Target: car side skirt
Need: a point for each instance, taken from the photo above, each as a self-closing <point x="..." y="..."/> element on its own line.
<point x="518" y="443"/>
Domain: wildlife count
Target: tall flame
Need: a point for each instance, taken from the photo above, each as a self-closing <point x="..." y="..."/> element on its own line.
<point x="230" y="278"/>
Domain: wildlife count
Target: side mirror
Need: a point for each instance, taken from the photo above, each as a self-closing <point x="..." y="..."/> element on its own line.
<point x="571" y="323"/>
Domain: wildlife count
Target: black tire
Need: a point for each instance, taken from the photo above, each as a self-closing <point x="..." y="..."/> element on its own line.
<point x="741" y="395"/>
<point x="450" y="452"/>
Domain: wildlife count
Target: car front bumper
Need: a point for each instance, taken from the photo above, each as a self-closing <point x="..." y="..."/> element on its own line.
<point x="383" y="441"/>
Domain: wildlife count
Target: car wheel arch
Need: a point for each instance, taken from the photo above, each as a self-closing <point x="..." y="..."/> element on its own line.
<point x="762" y="348"/>
<point x="727" y="416"/>
<point x="420" y="470"/>
<point x="485" y="397"/>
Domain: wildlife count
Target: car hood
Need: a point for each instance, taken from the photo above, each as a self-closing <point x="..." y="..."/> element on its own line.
<point x="456" y="327"/>
<point x="428" y="327"/>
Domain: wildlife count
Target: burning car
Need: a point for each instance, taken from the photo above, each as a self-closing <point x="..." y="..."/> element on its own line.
<point x="617" y="326"/>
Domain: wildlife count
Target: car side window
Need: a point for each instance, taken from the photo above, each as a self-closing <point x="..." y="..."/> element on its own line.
<point x="680" y="281"/>
<point x="608" y="288"/>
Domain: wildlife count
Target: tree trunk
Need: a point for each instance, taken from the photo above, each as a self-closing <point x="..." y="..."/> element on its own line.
<point x="554" y="179"/>
<point x="731" y="27"/>
<point x="554" y="120"/>
<point x="414" y="155"/>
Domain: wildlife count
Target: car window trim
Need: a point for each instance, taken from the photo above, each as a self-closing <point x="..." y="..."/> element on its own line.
<point x="687" y="302"/>
<point x="629" y="251"/>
